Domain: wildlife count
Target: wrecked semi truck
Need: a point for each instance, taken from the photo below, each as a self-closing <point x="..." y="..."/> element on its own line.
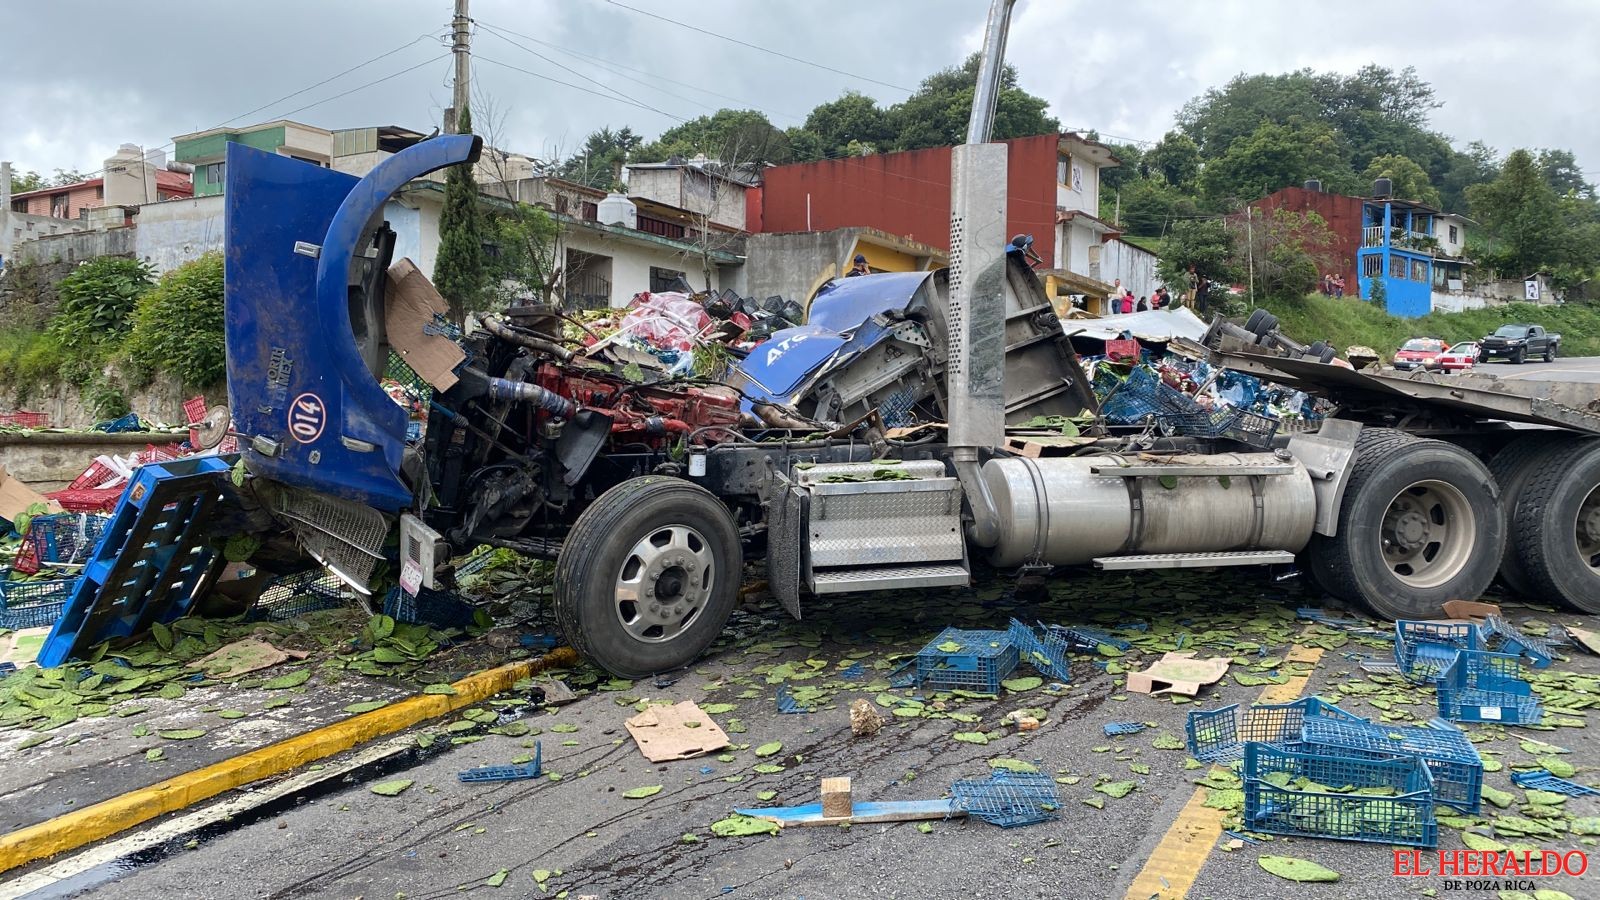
<point x="650" y="497"/>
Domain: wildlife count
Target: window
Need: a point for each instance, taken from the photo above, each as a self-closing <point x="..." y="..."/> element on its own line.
<point x="1455" y="236"/>
<point x="1419" y="270"/>
<point x="667" y="280"/>
<point x="215" y="173"/>
<point x="1061" y="169"/>
<point x="1371" y="265"/>
<point x="1398" y="267"/>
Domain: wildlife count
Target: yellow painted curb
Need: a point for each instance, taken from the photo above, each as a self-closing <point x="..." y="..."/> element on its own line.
<point x="93" y="823"/>
<point x="1175" y="864"/>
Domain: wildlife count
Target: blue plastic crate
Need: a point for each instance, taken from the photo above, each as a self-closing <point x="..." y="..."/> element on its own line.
<point x="292" y="596"/>
<point x="1487" y="687"/>
<point x="1219" y="735"/>
<point x="1542" y="780"/>
<point x="1329" y="802"/>
<point x="981" y="660"/>
<point x="33" y="604"/>
<point x="1423" y="650"/>
<point x="1008" y="799"/>
<point x="1046" y="653"/>
<point x="506" y="773"/>
<point x="1502" y="637"/>
<point x="1086" y="639"/>
<point x="65" y="538"/>
<point x="1450" y="756"/>
<point x="440" y="609"/>
<point x="1114" y="728"/>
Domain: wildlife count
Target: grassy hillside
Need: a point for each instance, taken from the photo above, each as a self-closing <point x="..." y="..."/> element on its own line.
<point x="1343" y="322"/>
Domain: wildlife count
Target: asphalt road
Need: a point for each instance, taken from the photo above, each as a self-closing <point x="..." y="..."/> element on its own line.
<point x="1577" y="368"/>
<point x="442" y="838"/>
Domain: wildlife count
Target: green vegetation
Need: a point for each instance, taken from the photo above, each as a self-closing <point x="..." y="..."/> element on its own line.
<point x="458" y="270"/>
<point x="178" y="327"/>
<point x="30" y="359"/>
<point x="97" y="301"/>
<point x="1347" y="321"/>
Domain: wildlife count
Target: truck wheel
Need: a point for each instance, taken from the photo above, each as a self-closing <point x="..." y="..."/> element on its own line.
<point x="1549" y="352"/>
<point x="1511" y="468"/>
<point x="1420" y="524"/>
<point x="648" y="576"/>
<point x="1519" y="356"/>
<point x="1557" y="526"/>
<point x="1260" y="323"/>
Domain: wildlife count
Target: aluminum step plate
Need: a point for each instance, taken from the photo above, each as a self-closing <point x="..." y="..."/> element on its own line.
<point x="839" y="581"/>
<point x="1194" y="560"/>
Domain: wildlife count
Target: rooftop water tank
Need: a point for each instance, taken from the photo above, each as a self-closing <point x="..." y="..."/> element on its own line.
<point x="617" y="209"/>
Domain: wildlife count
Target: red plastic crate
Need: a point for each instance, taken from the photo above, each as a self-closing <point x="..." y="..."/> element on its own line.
<point x="195" y="409"/>
<point x="97" y="474"/>
<point x="230" y="444"/>
<point x="1122" y="351"/>
<point x="154" y="454"/>
<point x="87" y="499"/>
<point x="27" y="561"/>
<point x="24" y="419"/>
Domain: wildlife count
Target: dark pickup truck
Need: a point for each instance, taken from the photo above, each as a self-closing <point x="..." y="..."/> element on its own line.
<point x="1518" y="343"/>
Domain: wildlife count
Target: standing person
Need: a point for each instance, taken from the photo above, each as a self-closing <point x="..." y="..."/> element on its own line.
<point x="1338" y="285"/>
<point x="1143" y="305"/>
<point x="1127" y="302"/>
<point x="859" y="267"/>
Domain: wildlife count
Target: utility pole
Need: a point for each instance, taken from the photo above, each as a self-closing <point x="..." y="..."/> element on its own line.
<point x="461" y="45"/>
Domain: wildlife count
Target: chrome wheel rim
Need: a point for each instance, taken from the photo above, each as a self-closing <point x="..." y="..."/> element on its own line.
<point x="1588" y="531"/>
<point x="1427" y="534"/>
<point x="664" y="584"/>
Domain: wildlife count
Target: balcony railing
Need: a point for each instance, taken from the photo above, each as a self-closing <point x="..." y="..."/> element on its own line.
<point x="660" y="227"/>
<point x="1372" y="236"/>
<point x="587" y="290"/>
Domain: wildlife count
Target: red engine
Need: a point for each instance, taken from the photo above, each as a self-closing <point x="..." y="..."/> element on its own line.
<point x="646" y="411"/>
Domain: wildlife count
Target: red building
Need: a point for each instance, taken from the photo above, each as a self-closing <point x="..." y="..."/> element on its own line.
<point x="69" y="200"/>
<point x="1344" y="217"/>
<point x="1049" y="178"/>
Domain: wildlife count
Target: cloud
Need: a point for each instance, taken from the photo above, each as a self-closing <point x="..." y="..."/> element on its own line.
<point x="144" y="74"/>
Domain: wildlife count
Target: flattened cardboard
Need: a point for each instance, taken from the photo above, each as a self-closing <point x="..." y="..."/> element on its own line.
<point x="1470" y="609"/>
<point x="410" y="304"/>
<point x="663" y="732"/>
<point x="16" y="497"/>
<point x="1178" y="673"/>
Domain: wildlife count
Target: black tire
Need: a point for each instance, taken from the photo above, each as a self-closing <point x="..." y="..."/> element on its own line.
<point x="1260" y="323"/>
<point x="1550" y="352"/>
<point x="1557" y="526"/>
<point x="1519" y="356"/>
<point x="1511" y="468"/>
<point x="600" y="552"/>
<point x="1406" y="490"/>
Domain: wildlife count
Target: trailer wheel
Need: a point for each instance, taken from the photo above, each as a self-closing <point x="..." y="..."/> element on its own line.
<point x="1557" y="526"/>
<point x="648" y="576"/>
<point x="1420" y="524"/>
<point x="1511" y="468"/>
<point x="1260" y="323"/>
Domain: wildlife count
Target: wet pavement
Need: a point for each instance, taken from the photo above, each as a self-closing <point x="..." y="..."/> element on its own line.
<point x="579" y="836"/>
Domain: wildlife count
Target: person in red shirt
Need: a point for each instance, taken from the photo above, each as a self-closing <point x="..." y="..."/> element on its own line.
<point x="1127" y="302"/>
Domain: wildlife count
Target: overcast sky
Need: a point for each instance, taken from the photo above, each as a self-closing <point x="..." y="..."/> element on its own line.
<point x="82" y="76"/>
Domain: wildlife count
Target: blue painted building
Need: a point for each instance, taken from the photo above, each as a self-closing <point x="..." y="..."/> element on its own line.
<point x="1397" y="251"/>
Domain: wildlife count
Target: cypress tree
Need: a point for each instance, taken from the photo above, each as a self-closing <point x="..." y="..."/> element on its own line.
<point x="458" y="271"/>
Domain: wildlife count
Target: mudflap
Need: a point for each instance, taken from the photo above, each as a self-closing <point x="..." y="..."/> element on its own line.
<point x="786" y="542"/>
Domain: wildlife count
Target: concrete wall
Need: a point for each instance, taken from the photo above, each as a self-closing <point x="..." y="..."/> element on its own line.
<point x="1134" y="265"/>
<point x="793" y="265"/>
<point x="79" y="246"/>
<point x="631" y="260"/>
<point x="17" y="228"/>
<point x="689" y="188"/>
<point x="174" y="232"/>
<point x="160" y="401"/>
<point x="49" y="462"/>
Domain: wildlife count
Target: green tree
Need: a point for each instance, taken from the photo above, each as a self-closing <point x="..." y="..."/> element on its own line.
<point x="854" y="117"/>
<point x="936" y="115"/>
<point x="599" y="163"/>
<point x="178" y="328"/>
<point x="1523" y="215"/>
<point x="728" y="133"/>
<point x="1565" y="176"/>
<point x="1410" y="181"/>
<point x="522" y="259"/>
<point x="1286" y="252"/>
<point x="1133" y="167"/>
<point x="1177" y="158"/>
<point x="1197" y="247"/>
<point x="1477" y="164"/>
<point x="27" y="181"/>
<point x="458" y="270"/>
<point x="804" y="146"/>
<point x="1149" y="206"/>
<point x="1275" y="156"/>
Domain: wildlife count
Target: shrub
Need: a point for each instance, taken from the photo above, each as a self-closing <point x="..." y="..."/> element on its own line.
<point x="30" y="359"/>
<point x="97" y="302"/>
<point x="178" y="327"/>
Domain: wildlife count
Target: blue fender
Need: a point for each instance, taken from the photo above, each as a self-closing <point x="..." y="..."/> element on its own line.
<point x="777" y="367"/>
<point x="309" y="412"/>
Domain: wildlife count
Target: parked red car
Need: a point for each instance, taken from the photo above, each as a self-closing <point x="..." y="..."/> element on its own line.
<point x="1420" y="353"/>
<point x="1460" y="357"/>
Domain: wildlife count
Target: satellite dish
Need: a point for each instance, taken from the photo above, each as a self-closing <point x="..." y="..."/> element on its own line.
<point x="213" y="428"/>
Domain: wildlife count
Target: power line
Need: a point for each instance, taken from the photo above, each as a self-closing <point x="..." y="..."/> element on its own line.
<point x="575" y="87"/>
<point x="618" y="95"/>
<point x="611" y="66"/>
<point x="742" y="43"/>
